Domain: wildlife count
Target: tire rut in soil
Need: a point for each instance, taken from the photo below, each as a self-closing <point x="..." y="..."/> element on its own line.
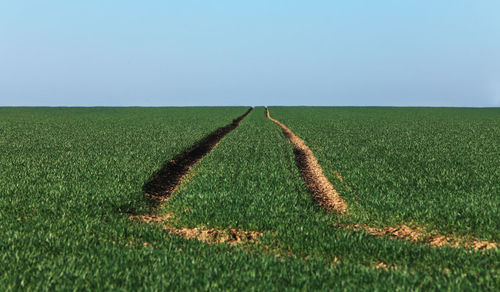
<point x="319" y="186"/>
<point x="166" y="180"/>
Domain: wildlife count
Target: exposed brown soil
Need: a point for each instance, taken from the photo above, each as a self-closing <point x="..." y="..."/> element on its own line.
<point x="337" y="174"/>
<point x="211" y="235"/>
<point x="208" y="235"/>
<point x="382" y="265"/>
<point x="420" y="236"/>
<point x="165" y="181"/>
<point x="319" y="186"/>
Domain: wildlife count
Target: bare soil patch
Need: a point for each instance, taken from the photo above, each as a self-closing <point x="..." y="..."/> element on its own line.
<point x="418" y="235"/>
<point x="320" y="188"/>
<point x="231" y="236"/>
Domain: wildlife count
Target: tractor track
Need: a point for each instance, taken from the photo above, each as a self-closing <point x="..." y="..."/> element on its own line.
<point x="319" y="186"/>
<point x="166" y="180"/>
<point x="326" y="195"/>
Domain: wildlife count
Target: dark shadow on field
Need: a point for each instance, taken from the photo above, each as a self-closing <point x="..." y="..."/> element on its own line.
<point x="166" y="180"/>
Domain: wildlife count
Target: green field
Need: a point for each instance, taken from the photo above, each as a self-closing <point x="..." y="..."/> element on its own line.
<point x="69" y="178"/>
<point x="435" y="167"/>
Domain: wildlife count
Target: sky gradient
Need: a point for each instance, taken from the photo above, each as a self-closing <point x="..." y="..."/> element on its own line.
<point x="161" y="53"/>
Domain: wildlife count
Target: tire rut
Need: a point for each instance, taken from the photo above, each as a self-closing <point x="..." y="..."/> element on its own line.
<point x="323" y="191"/>
<point x="319" y="186"/>
<point x="166" y="180"/>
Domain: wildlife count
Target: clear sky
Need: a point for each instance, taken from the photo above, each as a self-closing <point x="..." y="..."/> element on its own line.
<point x="352" y="52"/>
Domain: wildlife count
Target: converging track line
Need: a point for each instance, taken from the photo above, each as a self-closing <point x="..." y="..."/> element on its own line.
<point x="167" y="179"/>
<point x="319" y="186"/>
<point x="324" y="192"/>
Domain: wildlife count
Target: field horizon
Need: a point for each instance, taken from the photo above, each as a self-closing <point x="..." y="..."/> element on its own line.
<point x="222" y="198"/>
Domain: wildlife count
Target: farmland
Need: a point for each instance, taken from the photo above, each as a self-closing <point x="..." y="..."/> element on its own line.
<point x="71" y="178"/>
<point x="437" y="168"/>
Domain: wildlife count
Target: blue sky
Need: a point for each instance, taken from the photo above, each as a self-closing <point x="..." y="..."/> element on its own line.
<point x="402" y="53"/>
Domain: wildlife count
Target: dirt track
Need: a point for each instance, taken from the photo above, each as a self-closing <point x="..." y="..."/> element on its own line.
<point x="327" y="196"/>
<point x="167" y="179"/>
<point x="319" y="186"/>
